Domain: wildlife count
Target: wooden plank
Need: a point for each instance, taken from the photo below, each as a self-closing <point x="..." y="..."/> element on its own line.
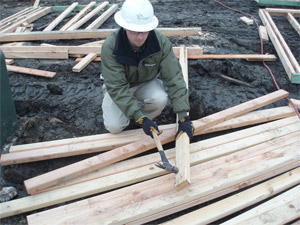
<point x="29" y="19"/>
<point x="158" y="195"/>
<point x="252" y="57"/>
<point x="82" y="64"/>
<point x="246" y="20"/>
<point x="88" y="16"/>
<point x="91" y="187"/>
<point x="134" y="135"/>
<point x="283" y="43"/>
<point x="99" y="161"/>
<point x="70" y="49"/>
<point x="239" y="201"/>
<point x="84" y="34"/>
<point x="78" y="16"/>
<point x="182" y="149"/>
<point x="35" y="72"/>
<point x="103" y="17"/>
<point x="294" y="22"/>
<point x="283" y="12"/>
<point x="63" y="15"/>
<point x="36" y="54"/>
<point x="97" y="143"/>
<point x="289" y="69"/>
<point x="283" y="209"/>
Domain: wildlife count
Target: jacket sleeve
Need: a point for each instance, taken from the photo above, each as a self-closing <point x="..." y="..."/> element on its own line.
<point x="116" y="83"/>
<point x="172" y="77"/>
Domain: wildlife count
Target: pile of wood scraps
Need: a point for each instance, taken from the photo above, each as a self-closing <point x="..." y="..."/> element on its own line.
<point x="218" y="166"/>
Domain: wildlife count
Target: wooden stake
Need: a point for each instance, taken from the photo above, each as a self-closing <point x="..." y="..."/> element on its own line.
<point x="183" y="177"/>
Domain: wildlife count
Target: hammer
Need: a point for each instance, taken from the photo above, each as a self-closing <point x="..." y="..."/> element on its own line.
<point x="165" y="163"/>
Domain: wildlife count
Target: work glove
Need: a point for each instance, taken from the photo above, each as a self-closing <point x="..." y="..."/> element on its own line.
<point x="148" y="125"/>
<point x="185" y="125"/>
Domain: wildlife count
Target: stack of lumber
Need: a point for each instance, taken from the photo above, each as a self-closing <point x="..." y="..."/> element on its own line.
<point x="137" y="192"/>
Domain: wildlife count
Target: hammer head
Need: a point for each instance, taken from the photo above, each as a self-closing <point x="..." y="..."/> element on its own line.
<point x="167" y="166"/>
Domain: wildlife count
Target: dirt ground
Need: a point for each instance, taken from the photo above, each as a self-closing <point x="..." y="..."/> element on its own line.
<point x="69" y="105"/>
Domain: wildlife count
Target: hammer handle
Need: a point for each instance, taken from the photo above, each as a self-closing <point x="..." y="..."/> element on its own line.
<point x="157" y="141"/>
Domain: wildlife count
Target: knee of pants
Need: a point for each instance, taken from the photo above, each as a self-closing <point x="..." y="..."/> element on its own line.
<point x="114" y="128"/>
<point x="160" y="100"/>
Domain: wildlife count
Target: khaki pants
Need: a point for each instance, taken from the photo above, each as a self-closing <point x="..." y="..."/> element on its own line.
<point x="152" y="96"/>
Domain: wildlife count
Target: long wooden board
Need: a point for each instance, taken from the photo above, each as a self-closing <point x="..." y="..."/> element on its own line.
<point x="35" y="72"/>
<point x="83" y="34"/>
<point x="256" y="117"/>
<point x="239" y="201"/>
<point x="70" y="49"/>
<point x="158" y="195"/>
<point x="253" y="57"/>
<point x="99" y="161"/>
<point x="63" y="15"/>
<point x="281" y="209"/>
<point x="96" y="143"/>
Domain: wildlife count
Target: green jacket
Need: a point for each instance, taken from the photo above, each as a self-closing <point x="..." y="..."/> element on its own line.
<point x="121" y="70"/>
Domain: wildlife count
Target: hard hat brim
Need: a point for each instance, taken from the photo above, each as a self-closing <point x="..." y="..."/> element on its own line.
<point x="134" y="27"/>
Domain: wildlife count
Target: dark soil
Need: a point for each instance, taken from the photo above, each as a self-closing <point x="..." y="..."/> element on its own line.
<point x="69" y="105"/>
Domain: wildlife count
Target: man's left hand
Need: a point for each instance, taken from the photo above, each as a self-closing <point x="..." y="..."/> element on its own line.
<point x="185" y="125"/>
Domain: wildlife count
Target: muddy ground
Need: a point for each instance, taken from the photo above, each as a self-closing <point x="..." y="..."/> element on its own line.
<point x="69" y="105"/>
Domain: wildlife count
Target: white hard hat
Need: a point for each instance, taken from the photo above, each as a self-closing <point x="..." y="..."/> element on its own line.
<point x="137" y="15"/>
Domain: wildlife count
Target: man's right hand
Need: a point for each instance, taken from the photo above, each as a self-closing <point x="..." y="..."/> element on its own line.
<point x="148" y="125"/>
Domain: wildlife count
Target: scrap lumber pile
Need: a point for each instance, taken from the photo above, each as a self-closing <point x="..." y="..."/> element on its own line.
<point x="134" y="191"/>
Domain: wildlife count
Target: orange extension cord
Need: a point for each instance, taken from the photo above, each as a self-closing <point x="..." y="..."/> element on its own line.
<point x="262" y="52"/>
